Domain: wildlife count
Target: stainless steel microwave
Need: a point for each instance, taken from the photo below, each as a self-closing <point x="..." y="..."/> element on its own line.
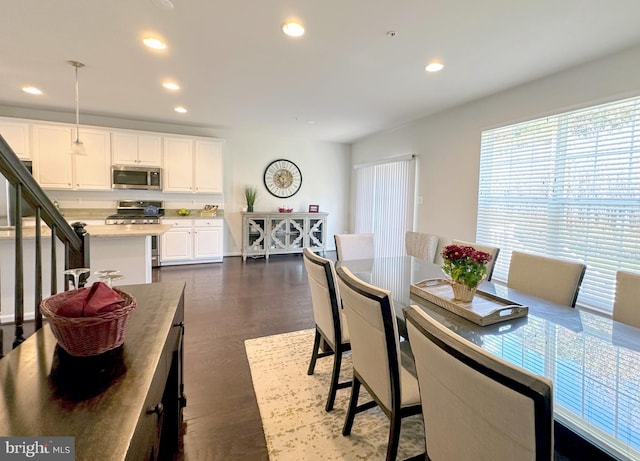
<point x="136" y="177"/>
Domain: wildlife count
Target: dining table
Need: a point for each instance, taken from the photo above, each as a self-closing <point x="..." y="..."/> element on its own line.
<point x="592" y="360"/>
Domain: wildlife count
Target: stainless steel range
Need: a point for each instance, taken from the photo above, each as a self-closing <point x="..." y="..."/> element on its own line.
<point x="140" y="212"/>
<point x="137" y="212"/>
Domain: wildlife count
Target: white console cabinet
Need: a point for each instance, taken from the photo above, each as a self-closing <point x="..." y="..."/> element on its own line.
<point x="264" y="234"/>
<point x="191" y="241"/>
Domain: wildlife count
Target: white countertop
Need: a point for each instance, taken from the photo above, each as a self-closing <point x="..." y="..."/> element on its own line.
<point x="104" y="231"/>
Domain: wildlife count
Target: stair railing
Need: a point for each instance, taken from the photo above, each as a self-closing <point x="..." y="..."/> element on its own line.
<point x="75" y="240"/>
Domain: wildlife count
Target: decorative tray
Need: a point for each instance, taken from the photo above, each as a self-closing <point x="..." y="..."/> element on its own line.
<point x="485" y="309"/>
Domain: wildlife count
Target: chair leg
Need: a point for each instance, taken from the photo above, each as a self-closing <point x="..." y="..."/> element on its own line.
<point x="394" y="435"/>
<point x="333" y="387"/>
<point x="353" y="403"/>
<point x="314" y="355"/>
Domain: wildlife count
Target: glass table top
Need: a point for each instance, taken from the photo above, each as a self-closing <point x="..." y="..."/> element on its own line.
<point x="593" y="361"/>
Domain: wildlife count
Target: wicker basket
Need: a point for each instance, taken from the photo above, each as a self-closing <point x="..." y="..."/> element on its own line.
<point x="86" y="336"/>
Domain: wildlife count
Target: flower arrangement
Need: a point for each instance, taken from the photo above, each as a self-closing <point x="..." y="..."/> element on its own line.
<point x="465" y="264"/>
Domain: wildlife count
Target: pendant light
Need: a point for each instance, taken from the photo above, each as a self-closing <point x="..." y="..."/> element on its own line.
<point x="77" y="148"/>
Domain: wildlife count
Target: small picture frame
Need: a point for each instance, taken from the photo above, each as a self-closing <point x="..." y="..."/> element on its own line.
<point x="314" y="208"/>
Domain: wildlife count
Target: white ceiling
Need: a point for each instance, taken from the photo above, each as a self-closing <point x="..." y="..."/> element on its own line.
<point x="238" y="71"/>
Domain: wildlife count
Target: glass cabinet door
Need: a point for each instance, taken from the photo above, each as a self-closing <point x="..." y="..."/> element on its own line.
<point x="256" y="235"/>
<point x="316" y="233"/>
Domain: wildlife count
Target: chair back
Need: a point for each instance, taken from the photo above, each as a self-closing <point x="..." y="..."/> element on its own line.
<point x="477" y="406"/>
<point x="325" y="298"/>
<point x="493" y="251"/>
<point x="626" y="307"/>
<point x="556" y="280"/>
<point x="354" y="246"/>
<point x="374" y="337"/>
<point x="421" y="245"/>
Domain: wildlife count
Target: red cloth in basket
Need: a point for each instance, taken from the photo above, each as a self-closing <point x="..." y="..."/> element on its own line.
<point x="89" y="302"/>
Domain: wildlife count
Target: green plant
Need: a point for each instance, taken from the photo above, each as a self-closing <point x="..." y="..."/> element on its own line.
<point x="465" y="264"/>
<point x="250" y="194"/>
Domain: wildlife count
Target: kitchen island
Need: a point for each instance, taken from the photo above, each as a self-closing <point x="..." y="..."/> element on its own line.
<point x="126" y="248"/>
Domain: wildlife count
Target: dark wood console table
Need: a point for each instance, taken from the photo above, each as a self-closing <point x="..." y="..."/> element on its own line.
<point x="135" y="415"/>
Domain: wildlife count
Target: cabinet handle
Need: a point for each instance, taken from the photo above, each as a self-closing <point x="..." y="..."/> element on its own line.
<point x="158" y="409"/>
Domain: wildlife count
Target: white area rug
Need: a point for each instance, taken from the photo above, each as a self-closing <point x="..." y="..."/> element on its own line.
<point x="291" y="403"/>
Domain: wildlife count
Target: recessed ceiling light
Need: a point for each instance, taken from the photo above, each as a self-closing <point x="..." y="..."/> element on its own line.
<point x="293" y="29"/>
<point x="155" y="43"/>
<point x="434" y="67"/>
<point x="171" y="86"/>
<point x="180" y="110"/>
<point x="31" y="90"/>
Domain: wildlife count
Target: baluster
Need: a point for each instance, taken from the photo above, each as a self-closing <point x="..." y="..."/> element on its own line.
<point x="54" y="260"/>
<point x="38" y="274"/>
<point x="19" y="268"/>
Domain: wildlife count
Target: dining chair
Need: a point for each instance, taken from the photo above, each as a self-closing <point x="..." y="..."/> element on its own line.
<point x="626" y="306"/>
<point x="375" y="354"/>
<point x="332" y="333"/>
<point x="354" y="246"/>
<point x="421" y="245"/>
<point x="493" y="251"/>
<point x="556" y="280"/>
<point x="477" y="406"/>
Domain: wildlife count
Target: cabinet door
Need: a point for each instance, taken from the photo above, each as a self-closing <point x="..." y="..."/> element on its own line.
<point x="178" y="165"/>
<point x="207" y="242"/>
<point x="149" y="150"/>
<point x="17" y="136"/>
<point x="124" y="148"/>
<point x="208" y="167"/>
<point x="52" y="159"/>
<point x="176" y="244"/>
<point x="93" y="171"/>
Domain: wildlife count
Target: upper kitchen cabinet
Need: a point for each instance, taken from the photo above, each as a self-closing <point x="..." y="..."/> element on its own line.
<point x="17" y="136"/>
<point x="192" y="165"/>
<point x="136" y="149"/>
<point x="55" y="168"/>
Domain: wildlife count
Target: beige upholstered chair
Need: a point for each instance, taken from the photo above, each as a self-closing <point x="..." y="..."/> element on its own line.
<point x="476" y="406"/>
<point x="556" y="280"/>
<point x="421" y="245"/>
<point x="330" y="325"/>
<point x="493" y="251"/>
<point x="354" y="246"/>
<point x="376" y="357"/>
<point x="626" y="307"/>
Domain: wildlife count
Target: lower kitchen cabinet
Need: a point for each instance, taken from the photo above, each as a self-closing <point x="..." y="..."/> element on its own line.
<point x="191" y="241"/>
<point x="264" y="234"/>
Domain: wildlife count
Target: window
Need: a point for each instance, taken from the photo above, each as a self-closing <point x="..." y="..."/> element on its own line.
<point x="384" y="203"/>
<point x="566" y="186"/>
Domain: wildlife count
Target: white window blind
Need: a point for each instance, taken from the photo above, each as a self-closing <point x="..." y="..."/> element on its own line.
<point x="566" y="186"/>
<point x="384" y="203"/>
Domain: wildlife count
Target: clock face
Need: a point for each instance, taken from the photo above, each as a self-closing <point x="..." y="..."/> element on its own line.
<point x="282" y="178"/>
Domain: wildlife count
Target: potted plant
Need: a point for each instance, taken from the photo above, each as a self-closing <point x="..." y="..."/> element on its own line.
<point x="467" y="267"/>
<point x="250" y="193"/>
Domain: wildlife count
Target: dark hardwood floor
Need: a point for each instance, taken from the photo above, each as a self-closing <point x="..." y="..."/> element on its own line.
<point x="224" y="305"/>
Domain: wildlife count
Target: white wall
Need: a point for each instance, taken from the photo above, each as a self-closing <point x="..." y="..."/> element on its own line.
<point x="448" y="143"/>
<point x="325" y="171"/>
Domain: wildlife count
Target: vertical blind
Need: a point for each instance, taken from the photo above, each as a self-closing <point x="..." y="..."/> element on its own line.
<point x="384" y="203"/>
<point x="566" y="186"/>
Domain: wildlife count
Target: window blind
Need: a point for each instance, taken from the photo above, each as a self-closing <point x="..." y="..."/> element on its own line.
<point x="566" y="186"/>
<point x="384" y="203"/>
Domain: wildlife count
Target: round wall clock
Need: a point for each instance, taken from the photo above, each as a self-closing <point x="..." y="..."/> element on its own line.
<point x="282" y="178"/>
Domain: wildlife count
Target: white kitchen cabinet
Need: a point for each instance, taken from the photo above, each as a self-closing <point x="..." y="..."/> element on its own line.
<point x="192" y="165"/>
<point x="136" y="149"/>
<point x="55" y="168"/>
<point x="191" y="241"/>
<point x="207" y="167"/>
<point x="207" y="239"/>
<point x="17" y="136"/>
